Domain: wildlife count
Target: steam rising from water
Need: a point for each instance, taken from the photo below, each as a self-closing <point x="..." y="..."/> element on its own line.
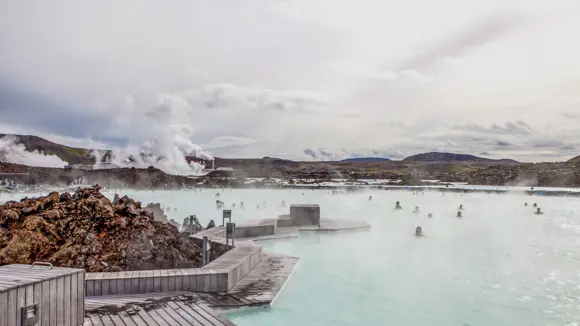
<point x="13" y="152"/>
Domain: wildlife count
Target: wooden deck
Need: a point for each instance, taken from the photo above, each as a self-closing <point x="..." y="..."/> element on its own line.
<point x="177" y="310"/>
<point x="266" y="280"/>
<point x="259" y="288"/>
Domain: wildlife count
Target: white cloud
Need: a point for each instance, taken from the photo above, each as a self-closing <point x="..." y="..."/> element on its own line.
<point x="262" y="78"/>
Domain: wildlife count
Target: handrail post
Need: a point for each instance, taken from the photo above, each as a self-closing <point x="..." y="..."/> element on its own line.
<point x="204" y="255"/>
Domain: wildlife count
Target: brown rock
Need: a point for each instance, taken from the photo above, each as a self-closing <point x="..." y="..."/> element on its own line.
<point x="86" y="231"/>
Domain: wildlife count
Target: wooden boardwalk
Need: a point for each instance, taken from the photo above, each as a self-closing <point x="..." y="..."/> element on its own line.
<point x="176" y="310"/>
<point x="259" y="288"/>
<point x="266" y="280"/>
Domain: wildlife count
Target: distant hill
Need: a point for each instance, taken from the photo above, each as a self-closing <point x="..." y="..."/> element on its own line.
<point x="365" y="159"/>
<point x="451" y="158"/>
<point x="574" y="159"/>
<point x="71" y="155"/>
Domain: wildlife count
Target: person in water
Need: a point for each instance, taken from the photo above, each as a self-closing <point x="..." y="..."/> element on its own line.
<point x="526" y="205"/>
<point x="430" y="215"/>
<point x="370" y="198"/>
<point x="459" y="214"/>
<point x="419" y="232"/>
<point x="416" y="211"/>
<point x="398" y="205"/>
<point x="538" y="211"/>
<point x="242" y="204"/>
<point x="535" y="204"/>
<point x="460" y="207"/>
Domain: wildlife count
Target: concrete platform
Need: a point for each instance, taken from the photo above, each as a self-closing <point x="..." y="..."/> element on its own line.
<point x="326" y="225"/>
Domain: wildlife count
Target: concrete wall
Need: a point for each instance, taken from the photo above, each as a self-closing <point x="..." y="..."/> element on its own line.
<point x="305" y="214"/>
<point x="257" y="228"/>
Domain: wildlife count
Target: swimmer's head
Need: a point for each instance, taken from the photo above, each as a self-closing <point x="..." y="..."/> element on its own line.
<point x="458" y="214"/>
<point x="418" y="231"/>
<point x="430" y="215"/>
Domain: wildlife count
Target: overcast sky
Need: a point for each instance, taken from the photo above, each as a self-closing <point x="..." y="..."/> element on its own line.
<point x="299" y="79"/>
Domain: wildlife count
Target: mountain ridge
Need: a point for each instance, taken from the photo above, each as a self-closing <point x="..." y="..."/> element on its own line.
<point x="77" y="155"/>
<point x="452" y="157"/>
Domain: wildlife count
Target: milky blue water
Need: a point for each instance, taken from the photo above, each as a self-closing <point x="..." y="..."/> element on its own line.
<point x="498" y="265"/>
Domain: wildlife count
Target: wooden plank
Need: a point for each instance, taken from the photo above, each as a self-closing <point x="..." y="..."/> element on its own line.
<point x="113" y="283"/>
<point x="241" y="299"/>
<point x="193" y="279"/>
<point x="12" y="306"/>
<point x="96" y="320"/>
<point x="128" y="321"/>
<point x="53" y="302"/>
<point x="172" y="280"/>
<point x="87" y="322"/>
<point x="136" y="311"/>
<point x="221" y="319"/>
<point x="67" y="300"/>
<point x="98" y="284"/>
<point x="213" y="281"/>
<point x="116" y="319"/>
<point x="157" y="281"/>
<point x="157" y="318"/>
<point x="149" y="281"/>
<point x="20" y="302"/>
<point x="81" y="298"/>
<point x="168" y="319"/>
<point x="3" y="308"/>
<point x="206" y="281"/>
<point x="90" y="284"/>
<point x="178" y="280"/>
<point x="164" y="281"/>
<point x="121" y="283"/>
<point x="74" y="295"/>
<point x="185" y="279"/>
<point x="142" y="282"/>
<point x="135" y="282"/>
<point x="60" y="301"/>
<point x="106" y="320"/>
<point x="188" y="317"/>
<point x="45" y="301"/>
<point x="187" y="307"/>
<point x="127" y="282"/>
<point x="106" y="287"/>
<point x="37" y="298"/>
<point x="173" y="315"/>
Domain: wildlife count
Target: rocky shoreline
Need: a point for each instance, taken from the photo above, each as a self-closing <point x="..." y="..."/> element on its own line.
<point x="407" y="174"/>
<point x="86" y="230"/>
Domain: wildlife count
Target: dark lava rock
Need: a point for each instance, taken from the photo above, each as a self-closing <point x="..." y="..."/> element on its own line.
<point x="87" y="231"/>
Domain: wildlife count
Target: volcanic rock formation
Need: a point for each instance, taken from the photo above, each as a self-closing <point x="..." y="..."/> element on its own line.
<point x="85" y="230"/>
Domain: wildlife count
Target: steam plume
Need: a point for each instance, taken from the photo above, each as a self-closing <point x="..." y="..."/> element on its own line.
<point x="13" y="152"/>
